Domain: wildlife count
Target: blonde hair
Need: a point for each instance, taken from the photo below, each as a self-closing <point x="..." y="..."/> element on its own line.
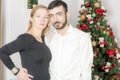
<point x="34" y="9"/>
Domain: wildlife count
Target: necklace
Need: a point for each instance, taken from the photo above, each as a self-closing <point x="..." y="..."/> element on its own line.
<point x="38" y="38"/>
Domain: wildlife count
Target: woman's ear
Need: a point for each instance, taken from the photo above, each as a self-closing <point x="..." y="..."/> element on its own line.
<point x="31" y="19"/>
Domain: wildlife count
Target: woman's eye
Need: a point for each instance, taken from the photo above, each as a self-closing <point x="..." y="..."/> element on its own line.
<point x="38" y="16"/>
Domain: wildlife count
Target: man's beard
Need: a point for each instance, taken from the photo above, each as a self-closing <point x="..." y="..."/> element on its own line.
<point x="57" y="24"/>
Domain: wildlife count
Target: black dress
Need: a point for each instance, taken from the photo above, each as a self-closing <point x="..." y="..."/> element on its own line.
<point x="35" y="56"/>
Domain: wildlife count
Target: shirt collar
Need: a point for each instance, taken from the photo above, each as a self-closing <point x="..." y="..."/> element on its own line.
<point x="69" y="30"/>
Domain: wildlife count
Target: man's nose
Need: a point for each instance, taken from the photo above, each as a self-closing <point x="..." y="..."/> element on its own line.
<point x="55" y="18"/>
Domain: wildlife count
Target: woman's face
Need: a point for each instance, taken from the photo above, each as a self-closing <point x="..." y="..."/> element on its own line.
<point x="40" y="18"/>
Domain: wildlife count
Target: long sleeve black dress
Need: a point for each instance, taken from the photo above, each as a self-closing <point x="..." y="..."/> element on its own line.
<point x="35" y="56"/>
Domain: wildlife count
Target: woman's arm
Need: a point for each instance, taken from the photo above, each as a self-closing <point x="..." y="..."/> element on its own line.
<point x="22" y="42"/>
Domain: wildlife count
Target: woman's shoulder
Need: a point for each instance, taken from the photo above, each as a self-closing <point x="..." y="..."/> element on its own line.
<point x="25" y="36"/>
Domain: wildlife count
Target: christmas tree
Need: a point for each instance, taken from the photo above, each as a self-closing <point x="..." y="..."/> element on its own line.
<point x="31" y="3"/>
<point x="106" y="62"/>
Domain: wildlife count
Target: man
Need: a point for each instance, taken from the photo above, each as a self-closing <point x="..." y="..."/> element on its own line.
<point x="72" y="54"/>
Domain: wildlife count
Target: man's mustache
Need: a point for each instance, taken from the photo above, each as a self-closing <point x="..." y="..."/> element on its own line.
<point x="56" y="22"/>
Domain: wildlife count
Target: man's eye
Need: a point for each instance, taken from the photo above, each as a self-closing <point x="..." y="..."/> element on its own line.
<point x="60" y="14"/>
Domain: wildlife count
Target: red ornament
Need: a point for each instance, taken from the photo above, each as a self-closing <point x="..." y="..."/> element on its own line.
<point x="103" y="67"/>
<point x="96" y="19"/>
<point x="100" y="12"/>
<point x="117" y="74"/>
<point x="108" y="25"/>
<point x="114" y="64"/>
<point x="112" y="35"/>
<point x="114" y="51"/>
<point x="90" y="20"/>
<point x="118" y="58"/>
<point x="110" y="53"/>
<point x="108" y="68"/>
<point x="87" y="4"/>
<point x="83" y="27"/>
<point x="105" y="44"/>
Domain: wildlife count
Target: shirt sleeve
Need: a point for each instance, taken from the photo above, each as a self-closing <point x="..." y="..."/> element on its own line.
<point x="87" y="58"/>
<point x="22" y="42"/>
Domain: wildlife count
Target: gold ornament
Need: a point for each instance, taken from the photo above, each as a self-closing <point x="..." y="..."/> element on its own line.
<point x="97" y="5"/>
<point x="83" y="17"/>
<point x="101" y="79"/>
<point x="94" y="43"/>
<point x="83" y="11"/>
<point x="99" y="1"/>
<point x="108" y="32"/>
<point x="102" y="27"/>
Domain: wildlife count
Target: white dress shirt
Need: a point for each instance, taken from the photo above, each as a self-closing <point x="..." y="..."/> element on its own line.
<point x="72" y="55"/>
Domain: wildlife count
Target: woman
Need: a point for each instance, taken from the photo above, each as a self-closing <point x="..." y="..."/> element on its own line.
<point x="35" y="55"/>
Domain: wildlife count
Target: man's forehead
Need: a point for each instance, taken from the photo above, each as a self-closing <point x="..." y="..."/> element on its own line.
<point x="56" y="9"/>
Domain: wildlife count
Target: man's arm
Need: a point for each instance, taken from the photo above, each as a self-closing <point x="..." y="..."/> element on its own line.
<point x="87" y="58"/>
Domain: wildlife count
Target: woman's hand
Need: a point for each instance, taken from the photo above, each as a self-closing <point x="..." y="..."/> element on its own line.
<point x="24" y="75"/>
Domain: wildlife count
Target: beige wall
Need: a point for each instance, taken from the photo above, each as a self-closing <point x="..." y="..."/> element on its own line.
<point x="1" y="66"/>
<point x="0" y="22"/>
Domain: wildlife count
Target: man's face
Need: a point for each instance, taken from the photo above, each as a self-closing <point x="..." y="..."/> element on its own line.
<point x="58" y="17"/>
